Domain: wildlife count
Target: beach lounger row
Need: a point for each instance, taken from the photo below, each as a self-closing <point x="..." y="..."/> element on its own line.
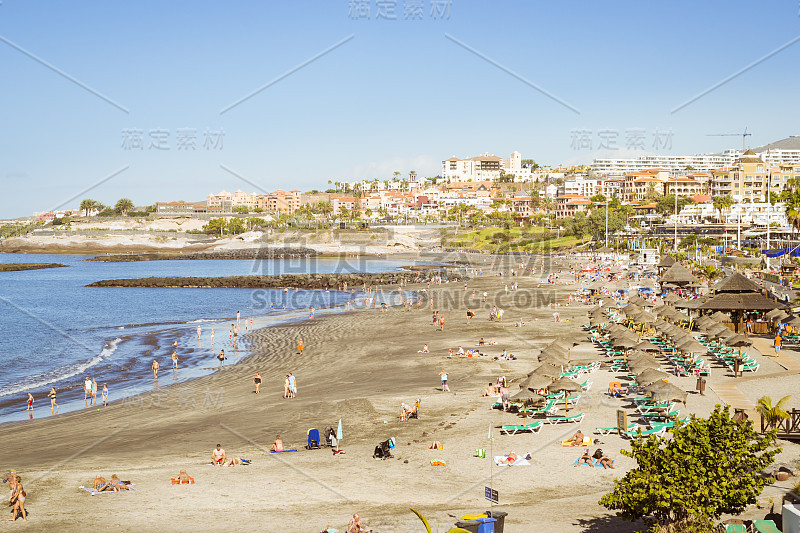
<point x="513" y="429"/>
<point x="574" y="419"/>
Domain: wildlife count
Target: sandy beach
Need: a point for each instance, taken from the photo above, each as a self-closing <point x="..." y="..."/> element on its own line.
<point x="358" y="367"/>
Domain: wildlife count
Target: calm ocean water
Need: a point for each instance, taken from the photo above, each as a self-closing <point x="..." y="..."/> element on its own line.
<point x="56" y="331"/>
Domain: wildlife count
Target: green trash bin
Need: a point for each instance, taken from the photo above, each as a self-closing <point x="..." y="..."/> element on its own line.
<point x="501" y="519"/>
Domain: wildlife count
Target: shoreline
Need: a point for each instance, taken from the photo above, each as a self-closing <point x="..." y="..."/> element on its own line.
<point x="357" y="367"/>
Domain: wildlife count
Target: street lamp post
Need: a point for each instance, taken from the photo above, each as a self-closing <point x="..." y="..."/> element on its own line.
<point x="675" y="194"/>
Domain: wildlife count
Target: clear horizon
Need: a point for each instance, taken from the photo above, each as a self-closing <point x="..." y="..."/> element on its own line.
<point x="290" y="95"/>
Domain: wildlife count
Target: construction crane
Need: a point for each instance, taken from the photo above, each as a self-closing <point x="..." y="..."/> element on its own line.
<point x="743" y="136"/>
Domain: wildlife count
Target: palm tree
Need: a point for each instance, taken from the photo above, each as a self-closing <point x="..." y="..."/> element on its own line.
<point x="721" y="203"/>
<point x="772" y="414"/>
<point x="87" y="205"/>
<point x="123" y="205"/>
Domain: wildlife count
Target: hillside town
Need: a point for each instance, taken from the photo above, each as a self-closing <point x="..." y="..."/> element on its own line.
<point x="747" y="194"/>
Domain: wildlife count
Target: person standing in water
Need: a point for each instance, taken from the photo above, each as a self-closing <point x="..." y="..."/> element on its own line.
<point x="221" y="358"/>
<point x="105" y="394"/>
<point x="175" y="360"/>
<point x="154" y="366"/>
<point x="30" y="402"/>
<point x="53" y="404"/>
<point x="212" y="336"/>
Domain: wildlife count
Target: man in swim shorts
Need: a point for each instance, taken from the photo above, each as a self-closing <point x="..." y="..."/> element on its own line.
<point x="218" y="455"/>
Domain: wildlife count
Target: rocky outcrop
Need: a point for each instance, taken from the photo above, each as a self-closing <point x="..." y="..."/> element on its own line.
<point x="12" y="267"/>
<point x="300" y="281"/>
<point x="252" y="253"/>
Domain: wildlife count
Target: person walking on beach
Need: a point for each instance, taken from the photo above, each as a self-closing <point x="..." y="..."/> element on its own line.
<point x="30" y="402"/>
<point x="257" y="382"/>
<point x="175" y="360"/>
<point x="105" y="394"/>
<point x="94" y="392"/>
<point x="778" y="342"/>
<point x="154" y="366"/>
<point x="441" y="322"/>
<point x="87" y="390"/>
<point x="221" y="358"/>
<point x="300" y="346"/>
<point x="292" y="386"/>
<point x="286" y="387"/>
<point x="53" y="404"/>
<point x="443" y="376"/>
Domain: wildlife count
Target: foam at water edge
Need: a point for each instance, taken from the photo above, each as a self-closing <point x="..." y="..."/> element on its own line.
<point x="62" y="373"/>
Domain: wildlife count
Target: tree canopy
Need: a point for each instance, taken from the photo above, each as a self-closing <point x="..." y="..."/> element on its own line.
<point x="708" y="467"/>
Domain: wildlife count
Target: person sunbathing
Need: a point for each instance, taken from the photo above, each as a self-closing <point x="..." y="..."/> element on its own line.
<point x="116" y="484"/>
<point x="238" y="461"/>
<point x="576" y="439"/>
<point x="481" y="342"/>
<point x="585" y="458"/>
<point x="424" y="349"/>
<point x="606" y="462"/>
<point x="405" y="410"/>
<point x="183" y="477"/>
<point x="461" y="352"/>
<point x="277" y="445"/>
<point x="99" y="481"/>
<point x="509" y="459"/>
<point x="492" y="342"/>
<point x="491" y="390"/>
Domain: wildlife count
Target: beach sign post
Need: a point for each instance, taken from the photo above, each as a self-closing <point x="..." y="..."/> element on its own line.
<point x="491" y="495"/>
<point x="490" y="489"/>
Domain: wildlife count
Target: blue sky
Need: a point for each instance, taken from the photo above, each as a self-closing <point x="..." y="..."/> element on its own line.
<point x="398" y="95"/>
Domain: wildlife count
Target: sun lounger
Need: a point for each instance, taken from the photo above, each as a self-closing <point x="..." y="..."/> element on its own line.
<point x="657" y="431"/>
<point x="765" y="526"/>
<point x="575" y="419"/>
<point x="733" y="528"/>
<point x="513" y="429"/>
<point x="609" y="430"/>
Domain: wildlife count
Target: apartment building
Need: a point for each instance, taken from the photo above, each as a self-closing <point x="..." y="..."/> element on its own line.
<point x="751" y="177"/>
<point x="568" y="205"/>
<point x="486" y="167"/>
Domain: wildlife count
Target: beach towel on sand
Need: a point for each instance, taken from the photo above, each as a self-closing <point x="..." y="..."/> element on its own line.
<point x="595" y="462"/>
<point x="522" y="460"/>
<point x="282" y="451"/>
<point x="93" y="492"/>
<point x="587" y="441"/>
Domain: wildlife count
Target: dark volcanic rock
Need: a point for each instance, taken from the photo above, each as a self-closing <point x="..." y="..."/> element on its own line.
<point x="12" y="267"/>
<point x="300" y="281"/>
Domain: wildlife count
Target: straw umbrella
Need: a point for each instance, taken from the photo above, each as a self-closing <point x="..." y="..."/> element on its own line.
<point x="535" y="382"/>
<point x="566" y="386"/>
<point x="527" y="399"/>
<point x="650" y="375"/>
<point x="664" y="391"/>
<point x="647" y="346"/>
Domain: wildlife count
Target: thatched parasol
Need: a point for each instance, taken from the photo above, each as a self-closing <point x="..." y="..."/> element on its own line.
<point x="677" y="274"/>
<point x="647" y="346"/>
<point x="566" y="386"/>
<point x="535" y="382"/>
<point x="663" y="391"/>
<point x="650" y="375"/>
<point x="720" y="317"/>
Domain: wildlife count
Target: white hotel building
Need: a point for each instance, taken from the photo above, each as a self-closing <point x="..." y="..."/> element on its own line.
<point x="486" y="167"/>
<point x="786" y="151"/>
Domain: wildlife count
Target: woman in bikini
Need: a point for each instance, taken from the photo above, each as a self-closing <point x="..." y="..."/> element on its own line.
<point x="277" y="445"/>
<point x="53" y="404"/>
<point x="105" y="394"/>
<point x="17" y="500"/>
<point x="257" y="382"/>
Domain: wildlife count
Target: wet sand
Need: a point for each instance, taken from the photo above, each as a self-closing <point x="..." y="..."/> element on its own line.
<point x="357" y="367"/>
